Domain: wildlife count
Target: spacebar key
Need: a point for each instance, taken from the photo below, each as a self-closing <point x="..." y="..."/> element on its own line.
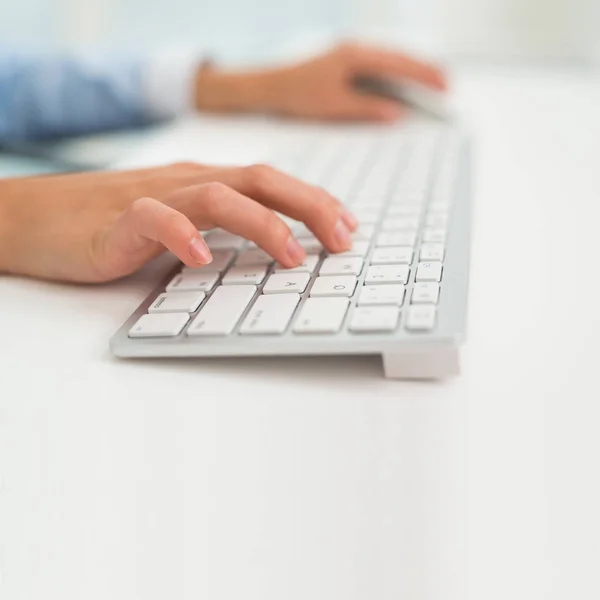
<point x="223" y="310"/>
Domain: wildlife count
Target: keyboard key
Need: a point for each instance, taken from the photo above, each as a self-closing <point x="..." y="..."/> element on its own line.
<point x="366" y="215"/>
<point x="186" y="302"/>
<point x="400" y="224"/>
<point x="358" y="249"/>
<point x="312" y="247"/>
<point x="436" y="221"/>
<point x="401" y="210"/>
<point x="200" y="281"/>
<point x="159" y="325"/>
<point x="363" y="233"/>
<point x="223" y="310"/>
<point x="392" y="255"/>
<point x="223" y="240"/>
<point x="374" y="318"/>
<point x="250" y="274"/>
<point x="270" y="314"/>
<point x="335" y="265"/>
<point x="396" y="238"/>
<point x="432" y="252"/>
<point x="429" y="271"/>
<point x="375" y="295"/>
<point x="321" y="315"/>
<point x="388" y="274"/>
<point x="420" y="317"/>
<point x="434" y="235"/>
<point x="308" y="266"/>
<point x="221" y="260"/>
<point x="341" y="285"/>
<point x="425" y="293"/>
<point x="254" y="256"/>
<point x="280" y="283"/>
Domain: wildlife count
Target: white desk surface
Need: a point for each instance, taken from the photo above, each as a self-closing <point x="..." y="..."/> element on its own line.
<point x="296" y="479"/>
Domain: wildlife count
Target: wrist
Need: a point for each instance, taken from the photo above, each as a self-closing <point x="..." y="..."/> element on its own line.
<point x="227" y="92"/>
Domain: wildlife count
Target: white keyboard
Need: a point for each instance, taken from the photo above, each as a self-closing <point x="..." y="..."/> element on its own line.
<point x="400" y="291"/>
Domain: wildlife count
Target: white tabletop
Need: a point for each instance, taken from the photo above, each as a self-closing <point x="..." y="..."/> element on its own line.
<point x="312" y="478"/>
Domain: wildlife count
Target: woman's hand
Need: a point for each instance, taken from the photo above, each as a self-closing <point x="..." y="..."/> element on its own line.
<point x="321" y="88"/>
<point x="96" y="227"/>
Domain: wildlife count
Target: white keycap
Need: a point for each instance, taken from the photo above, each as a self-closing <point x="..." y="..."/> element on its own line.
<point x="425" y="293"/>
<point x="402" y="210"/>
<point x="223" y="240"/>
<point x="159" y="325"/>
<point x="223" y="310"/>
<point x="358" y="249"/>
<point x="436" y="221"/>
<point x="308" y="266"/>
<point x="221" y="260"/>
<point x="301" y="230"/>
<point x="254" y="256"/>
<point x="429" y="271"/>
<point x="432" y="252"/>
<point x="280" y="283"/>
<point x="367" y="220"/>
<point x="375" y="295"/>
<point x="312" y="247"/>
<point x="321" y="315"/>
<point x="400" y="224"/>
<point x="199" y="281"/>
<point x="335" y="265"/>
<point x="186" y="302"/>
<point x="387" y="274"/>
<point x="392" y="255"/>
<point x="420" y="317"/>
<point x="374" y="318"/>
<point x="340" y="285"/>
<point x="396" y="238"/>
<point x="434" y="235"/>
<point x="270" y="314"/>
<point x="363" y="233"/>
<point x="364" y="215"/>
<point x="239" y="275"/>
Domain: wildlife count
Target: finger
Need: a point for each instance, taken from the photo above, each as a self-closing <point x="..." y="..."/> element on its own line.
<point x="323" y="214"/>
<point x="217" y="205"/>
<point x="373" y="61"/>
<point x="143" y="231"/>
<point x="365" y="108"/>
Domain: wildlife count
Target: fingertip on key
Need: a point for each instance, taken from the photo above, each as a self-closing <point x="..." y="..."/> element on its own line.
<point x="295" y="252"/>
<point x="342" y="235"/>
<point x="200" y="252"/>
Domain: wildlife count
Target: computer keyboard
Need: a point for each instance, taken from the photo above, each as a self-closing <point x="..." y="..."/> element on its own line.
<point x="400" y="291"/>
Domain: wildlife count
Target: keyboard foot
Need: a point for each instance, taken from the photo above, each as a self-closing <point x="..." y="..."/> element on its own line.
<point x="429" y="362"/>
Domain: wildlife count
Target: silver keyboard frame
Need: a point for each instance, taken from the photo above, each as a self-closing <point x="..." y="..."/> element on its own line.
<point x="406" y="355"/>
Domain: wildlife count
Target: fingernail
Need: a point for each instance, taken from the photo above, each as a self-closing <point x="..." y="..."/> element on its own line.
<point x="342" y="235"/>
<point x="350" y="220"/>
<point x="295" y="251"/>
<point x="199" y="251"/>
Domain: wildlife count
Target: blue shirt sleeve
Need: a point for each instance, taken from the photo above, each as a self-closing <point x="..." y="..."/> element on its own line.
<point x="52" y="97"/>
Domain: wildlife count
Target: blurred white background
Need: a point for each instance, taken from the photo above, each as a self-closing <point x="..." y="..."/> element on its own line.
<point x="500" y="30"/>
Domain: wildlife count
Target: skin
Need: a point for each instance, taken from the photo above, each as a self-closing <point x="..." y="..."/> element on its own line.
<point x="96" y="227"/>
